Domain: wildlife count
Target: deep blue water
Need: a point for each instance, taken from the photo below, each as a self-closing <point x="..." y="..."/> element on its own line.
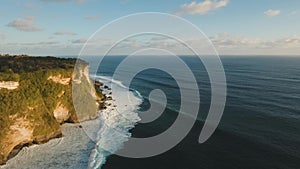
<point x="260" y="127"/>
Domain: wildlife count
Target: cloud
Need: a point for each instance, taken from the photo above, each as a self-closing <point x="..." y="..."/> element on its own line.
<point x="41" y="48"/>
<point x="227" y="41"/>
<point x="34" y="43"/>
<point x="293" y="13"/>
<point x="288" y="42"/>
<point x="233" y="44"/>
<point x="92" y="17"/>
<point x="2" y="35"/>
<point x="82" y="40"/>
<point x="201" y="7"/>
<point x="47" y="43"/>
<point x="271" y="12"/>
<point x="26" y="24"/>
<point x="65" y="33"/>
<point x="80" y="1"/>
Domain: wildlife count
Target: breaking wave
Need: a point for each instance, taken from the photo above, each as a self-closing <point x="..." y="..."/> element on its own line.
<point x="116" y="120"/>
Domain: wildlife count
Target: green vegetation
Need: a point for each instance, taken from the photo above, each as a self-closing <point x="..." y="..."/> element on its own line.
<point x="30" y="64"/>
<point x="37" y="97"/>
<point x="32" y="74"/>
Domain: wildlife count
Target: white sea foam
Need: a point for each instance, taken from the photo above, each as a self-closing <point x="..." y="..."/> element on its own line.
<point x="108" y="80"/>
<point x="117" y="120"/>
<point x="69" y="152"/>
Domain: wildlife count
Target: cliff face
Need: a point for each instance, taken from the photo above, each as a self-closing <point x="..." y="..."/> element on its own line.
<point x="31" y="112"/>
<point x="10" y="85"/>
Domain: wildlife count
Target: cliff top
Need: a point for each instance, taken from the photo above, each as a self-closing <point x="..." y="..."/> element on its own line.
<point x="24" y="63"/>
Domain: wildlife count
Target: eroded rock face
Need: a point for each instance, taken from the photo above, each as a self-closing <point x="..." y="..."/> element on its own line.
<point x="10" y="85"/>
<point x="60" y="79"/>
<point x="83" y="95"/>
<point x="20" y="132"/>
<point x="61" y="113"/>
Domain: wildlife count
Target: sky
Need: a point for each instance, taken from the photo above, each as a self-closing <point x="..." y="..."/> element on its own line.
<point x="235" y="27"/>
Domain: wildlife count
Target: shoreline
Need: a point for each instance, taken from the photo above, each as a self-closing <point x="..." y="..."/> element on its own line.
<point x="58" y="133"/>
<point x="75" y="145"/>
<point x="19" y="148"/>
<point x="80" y="141"/>
<point x="33" y="112"/>
<point x="65" y="133"/>
<point x="117" y="119"/>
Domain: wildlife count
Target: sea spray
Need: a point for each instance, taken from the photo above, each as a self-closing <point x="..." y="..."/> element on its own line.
<point x="117" y="119"/>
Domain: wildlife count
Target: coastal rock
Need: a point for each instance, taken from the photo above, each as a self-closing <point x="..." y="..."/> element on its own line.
<point x="19" y="133"/>
<point x="98" y="83"/>
<point x="22" y="133"/>
<point x="10" y="85"/>
<point x="60" y="79"/>
<point x="61" y="113"/>
<point x="86" y="99"/>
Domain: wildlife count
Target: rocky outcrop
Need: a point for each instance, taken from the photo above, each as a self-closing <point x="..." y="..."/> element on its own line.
<point x="20" y="134"/>
<point x="10" y="85"/>
<point x="60" y="79"/>
<point x="61" y="113"/>
<point x="83" y="94"/>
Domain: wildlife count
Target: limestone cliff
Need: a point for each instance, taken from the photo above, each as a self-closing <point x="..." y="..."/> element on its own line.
<point x="10" y="85"/>
<point x="40" y="99"/>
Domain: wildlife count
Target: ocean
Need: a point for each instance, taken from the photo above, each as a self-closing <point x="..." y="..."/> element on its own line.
<point x="260" y="126"/>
